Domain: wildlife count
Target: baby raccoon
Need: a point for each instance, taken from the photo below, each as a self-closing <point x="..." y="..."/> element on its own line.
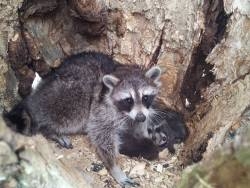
<point x="127" y="103"/>
<point x="165" y="129"/>
<point x="89" y="93"/>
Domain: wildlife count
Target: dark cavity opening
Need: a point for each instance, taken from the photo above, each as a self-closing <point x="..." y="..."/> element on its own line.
<point x="199" y="73"/>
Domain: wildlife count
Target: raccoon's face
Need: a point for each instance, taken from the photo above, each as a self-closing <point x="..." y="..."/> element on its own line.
<point x="132" y="93"/>
<point x="157" y="134"/>
<point x="168" y="131"/>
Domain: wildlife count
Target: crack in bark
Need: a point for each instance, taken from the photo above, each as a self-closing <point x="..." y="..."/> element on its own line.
<point x="199" y="75"/>
<point x="242" y="77"/>
<point x="156" y="53"/>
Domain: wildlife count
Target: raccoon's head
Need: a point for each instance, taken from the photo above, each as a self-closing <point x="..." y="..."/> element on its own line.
<point x="167" y="128"/>
<point x="157" y="133"/>
<point x="132" y="90"/>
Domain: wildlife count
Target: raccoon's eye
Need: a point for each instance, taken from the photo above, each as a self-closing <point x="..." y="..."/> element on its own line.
<point x="157" y="130"/>
<point x="147" y="100"/>
<point x="125" y="104"/>
<point x="150" y="131"/>
<point x="129" y="100"/>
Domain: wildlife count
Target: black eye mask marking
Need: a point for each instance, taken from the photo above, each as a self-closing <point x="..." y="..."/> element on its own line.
<point x="158" y="129"/>
<point x="147" y="100"/>
<point x="125" y="104"/>
<point x="150" y="131"/>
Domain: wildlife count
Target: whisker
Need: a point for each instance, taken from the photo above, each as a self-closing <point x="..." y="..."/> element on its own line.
<point x="165" y="113"/>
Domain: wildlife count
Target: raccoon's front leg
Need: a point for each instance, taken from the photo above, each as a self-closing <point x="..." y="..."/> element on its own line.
<point x="121" y="177"/>
<point x="109" y="159"/>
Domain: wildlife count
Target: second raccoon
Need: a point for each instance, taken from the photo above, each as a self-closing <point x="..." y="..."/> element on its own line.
<point x="166" y="128"/>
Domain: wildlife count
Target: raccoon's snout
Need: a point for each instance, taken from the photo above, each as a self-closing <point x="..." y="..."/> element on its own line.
<point x="140" y="117"/>
<point x="154" y="138"/>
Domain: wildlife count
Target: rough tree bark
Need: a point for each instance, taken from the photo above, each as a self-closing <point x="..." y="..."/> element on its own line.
<point x="202" y="46"/>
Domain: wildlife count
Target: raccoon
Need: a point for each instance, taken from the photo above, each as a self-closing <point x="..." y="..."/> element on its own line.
<point x="165" y="129"/>
<point x="60" y="103"/>
<point x="168" y="128"/>
<point x="89" y="94"/>
<point x="127" y="103"/>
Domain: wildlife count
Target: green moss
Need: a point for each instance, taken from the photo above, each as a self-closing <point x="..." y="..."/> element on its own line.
<point x="230" y="174"/>
<point x="223" y="171"/>
<point x="243" y="156"/>
<point x="191" y="179"/>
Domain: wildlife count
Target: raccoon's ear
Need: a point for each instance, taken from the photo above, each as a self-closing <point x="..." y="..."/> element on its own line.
<point x="154" y="73"/>
<point x="110" y="81"/>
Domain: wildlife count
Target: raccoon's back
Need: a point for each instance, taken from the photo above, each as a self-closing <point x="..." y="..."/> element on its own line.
<point x="73" y="86"/>
<point x="85" y="65"/>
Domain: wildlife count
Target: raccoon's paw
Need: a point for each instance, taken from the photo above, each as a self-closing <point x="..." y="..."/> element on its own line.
<point x="122" y="179"/>
<point x="63" y="141"/>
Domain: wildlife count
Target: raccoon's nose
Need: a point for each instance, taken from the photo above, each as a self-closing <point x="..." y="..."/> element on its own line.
<point x="140" y="117"/>
<point x="178" y="140"/>
<point x="153" y="138"/>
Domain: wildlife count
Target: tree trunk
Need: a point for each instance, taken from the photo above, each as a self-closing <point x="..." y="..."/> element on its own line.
<point x="202" y="46"/>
